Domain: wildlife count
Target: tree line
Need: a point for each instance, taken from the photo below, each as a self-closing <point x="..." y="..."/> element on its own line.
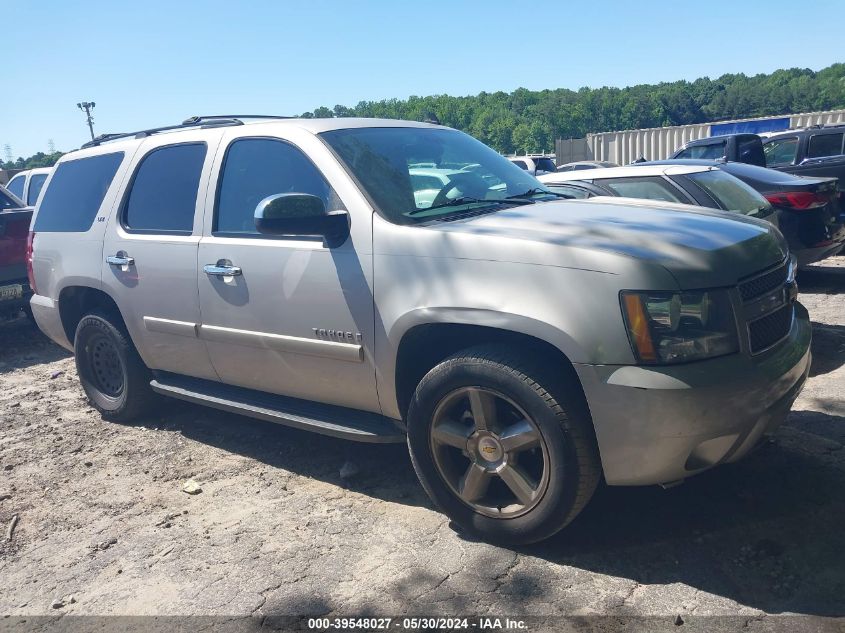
<point x="36" y="160"/>
<point x="530" y="120"/>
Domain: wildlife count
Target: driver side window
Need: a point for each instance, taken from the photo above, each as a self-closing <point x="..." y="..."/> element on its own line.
<point x="255" y="168"/>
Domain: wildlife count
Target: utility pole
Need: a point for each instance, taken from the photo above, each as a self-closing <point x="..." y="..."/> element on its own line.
<point x="87" y="106"/>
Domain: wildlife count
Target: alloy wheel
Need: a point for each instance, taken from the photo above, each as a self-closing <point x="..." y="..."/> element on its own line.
<point x="489" y="452"/>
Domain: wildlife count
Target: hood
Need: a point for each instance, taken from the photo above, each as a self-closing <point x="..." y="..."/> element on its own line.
<point x="700" y="247"/>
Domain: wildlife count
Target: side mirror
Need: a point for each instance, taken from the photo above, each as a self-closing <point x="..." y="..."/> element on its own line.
<point x="301" y="214"/>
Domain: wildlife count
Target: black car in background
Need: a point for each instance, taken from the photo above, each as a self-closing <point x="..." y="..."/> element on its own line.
<point x="744" y="148"/>
<point x="814" y="151"/>
<point x="810" y="214"/>
<point x="818" y="150"/>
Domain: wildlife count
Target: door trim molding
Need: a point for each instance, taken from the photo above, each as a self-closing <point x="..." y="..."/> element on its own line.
<point x="348" y="352"/>
<point x="169" y="326"/>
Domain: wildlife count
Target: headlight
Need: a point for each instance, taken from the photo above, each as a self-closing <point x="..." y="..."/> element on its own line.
<point x="678" y="327"/>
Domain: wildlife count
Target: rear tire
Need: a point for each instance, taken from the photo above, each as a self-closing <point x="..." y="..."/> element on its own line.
<point x="527" y="469"/>
<point x="112" y="373"/>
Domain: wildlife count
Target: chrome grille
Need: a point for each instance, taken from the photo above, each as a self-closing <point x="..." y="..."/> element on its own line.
<point x="764" y="283"/>
<point x="765" y="332"/>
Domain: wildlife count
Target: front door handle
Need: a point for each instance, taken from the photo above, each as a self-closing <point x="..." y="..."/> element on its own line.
<point x="221" y="269"/>
<point x="121" y="259"/>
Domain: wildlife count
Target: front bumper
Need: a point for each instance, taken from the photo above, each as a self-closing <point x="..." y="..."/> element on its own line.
<point x="661" y="424"/>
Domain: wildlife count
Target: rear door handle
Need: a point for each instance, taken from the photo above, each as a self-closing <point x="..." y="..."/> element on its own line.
<point x="120" y="260"/>
<point x="222" y="270"/>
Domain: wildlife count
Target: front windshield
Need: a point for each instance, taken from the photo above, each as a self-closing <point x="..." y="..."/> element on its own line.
<point x="419" y="174"/>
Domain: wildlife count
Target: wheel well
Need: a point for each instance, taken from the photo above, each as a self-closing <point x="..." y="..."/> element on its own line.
<point x="424" y="346"/>
<point x="77" y="301"/>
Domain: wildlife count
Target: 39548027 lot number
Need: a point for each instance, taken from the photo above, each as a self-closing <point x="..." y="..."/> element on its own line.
<point x="375" y="624"/>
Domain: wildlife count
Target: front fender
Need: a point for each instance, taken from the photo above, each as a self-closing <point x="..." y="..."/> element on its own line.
<point x="575" y="311"/>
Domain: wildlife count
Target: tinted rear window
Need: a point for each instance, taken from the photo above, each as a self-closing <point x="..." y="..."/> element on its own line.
<point x="76" y="193"/>
<point x="163" y="196"/>
<point x="35" y="185"/>
<point x="545" y="164"/>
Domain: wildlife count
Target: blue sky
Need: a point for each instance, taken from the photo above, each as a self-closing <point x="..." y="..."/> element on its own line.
<point x="155" y="63"/>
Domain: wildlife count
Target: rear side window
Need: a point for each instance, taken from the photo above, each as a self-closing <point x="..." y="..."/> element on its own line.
<point x="163" y="195"/>
<point x="76" y="193"/>
<point x="570" y="191"/>
<point x="731" y="193"/>
<point x="16" y="186"/>
<point x="822" y="145"/>
<point x="35" y="185"/>
<point x="521" y="164"/>
<point x="648" y="187"/>
<point x="256" y="168"/>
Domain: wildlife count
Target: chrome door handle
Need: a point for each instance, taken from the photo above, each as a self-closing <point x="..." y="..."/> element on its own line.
<point x="120" y="260"/>
<point x="217" y="270"/>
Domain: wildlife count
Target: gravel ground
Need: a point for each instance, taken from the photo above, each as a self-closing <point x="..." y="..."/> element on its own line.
<point x="290" y="523"/>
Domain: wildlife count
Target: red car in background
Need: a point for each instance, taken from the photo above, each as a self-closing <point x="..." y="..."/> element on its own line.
<point x="15" y="289"/>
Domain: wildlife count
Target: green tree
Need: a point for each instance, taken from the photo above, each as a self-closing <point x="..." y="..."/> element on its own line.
<point x="530" y="120"/>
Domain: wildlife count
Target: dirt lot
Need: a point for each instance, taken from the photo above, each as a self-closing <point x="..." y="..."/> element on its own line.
<point x="105" y="528"/>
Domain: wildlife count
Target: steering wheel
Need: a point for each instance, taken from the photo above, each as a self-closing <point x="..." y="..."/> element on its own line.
<point x="469" y="184"/>
<point x="441" y="197"/>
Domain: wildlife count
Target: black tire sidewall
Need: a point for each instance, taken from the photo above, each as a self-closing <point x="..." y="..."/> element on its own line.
<point x="89" y="327"/>
<point x="553" y="510"/>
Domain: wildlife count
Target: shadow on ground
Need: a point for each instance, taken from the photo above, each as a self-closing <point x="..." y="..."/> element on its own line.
<point x="23" y="345"/>
<point x="828" y="348"/>
<point x="822" y="279"/>
<point x="766" y="532"/>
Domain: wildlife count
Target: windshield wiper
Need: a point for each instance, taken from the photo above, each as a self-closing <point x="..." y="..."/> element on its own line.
<point x="462" y="200"/>
<point x="534" y="191"/>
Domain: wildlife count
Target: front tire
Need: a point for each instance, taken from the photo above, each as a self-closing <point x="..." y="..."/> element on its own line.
<point x="110" y="370"/>
<point x="502" y="446"/>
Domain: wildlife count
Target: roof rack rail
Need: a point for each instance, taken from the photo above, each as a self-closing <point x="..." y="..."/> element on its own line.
<point x="194" y="121"/>
<point x="822" y="126"/>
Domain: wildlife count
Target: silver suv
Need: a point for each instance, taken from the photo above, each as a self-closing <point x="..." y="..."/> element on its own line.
<point x="301" y="271"/>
